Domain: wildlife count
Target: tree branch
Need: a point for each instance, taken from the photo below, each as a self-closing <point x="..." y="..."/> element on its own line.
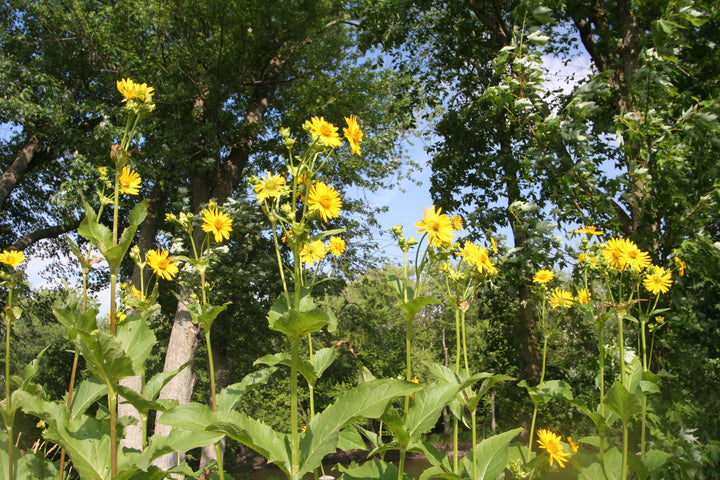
<point x="17" y="169"/>
<point x="49" y="232"/>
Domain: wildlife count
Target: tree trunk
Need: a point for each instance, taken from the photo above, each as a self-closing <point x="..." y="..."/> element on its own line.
<point x="17" y="168"/>
<point x="183" y="339"/>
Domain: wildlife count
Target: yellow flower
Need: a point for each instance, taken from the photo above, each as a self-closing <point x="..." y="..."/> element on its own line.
<point x="120" y="317"/>
<point x="40" y="424"/>
<point x="271" y="186"/>
<point x="437" y="225"/>
<point x="583" y="296"/>
<point x="493" y="245"/>
<point x="635" y="258"/>
<point x="353" y="134"/>
<point x="163" y="265"/>
<point x="325" y="200"/>
<point x="660" y="319"/>
<point x="543" y="276"/>
<point x="217" y="222"/>
<point x="457" y="223"/>
<point x="129" y="182"/>
<point x="415" y="380"/>
<point x="680" y="266"/>
<point x="478" y="257"/>
<point x="137" y="292"/>
<point x="12" y="257"/>
<point x="143" y="92"/>
<point x="303" y="429"/>
<point x="127" y="88"/>
<point x="551" y="443"/>
<point x="326" y="132"/>
<point x="560" y="298"/>
<point x="312" y="252"/>
<point x="590" y="230"/>
<point x="658" y="281"/>
<point x="614" y="253"/>
<point x="573" y="445"/>
<point x="336" y="246"/>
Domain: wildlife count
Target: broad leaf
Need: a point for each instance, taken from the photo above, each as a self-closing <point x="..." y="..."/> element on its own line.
<point x="160" y="379"/>
<point x="427" y="405"/>
<point x="375" y="469"/>
<point x="367" y="400"/>
<point x="322" y="359"/>
<point x="412" y="307"/>
<point x="176" y="441"/>
<point x="304" y="367"/>
<point x="85" y="395"/>
<point x="77" y="322"/>
<point x="136" y="339"/>
<point x="350" y="439"/>
<point x="231" y="395"/>
<point x="104" y="356"/>
<point x="114" y="256"/>
<point x="622" y="403"/>
<point x="296" y="323"/>
<point x="491" y="455"/>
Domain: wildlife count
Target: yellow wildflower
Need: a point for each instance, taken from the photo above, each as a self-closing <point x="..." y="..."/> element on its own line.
<point x="312" y="252"/>
<point x="543" y="276"/>
<point x="12" y="257"/>
<point x="457" y="223"/>
<point x="437" y="225"/>
<point x="326" y="132"/>
<point x="127" y="88"/>
<point x="493" y="245"/>
<point x="353" y="134"/>
<point x="129" y="181"/>
<point x="583" y="296"/>
<point x="590" y="230"/>
<point x="336" y="246"/>
<point x="162" y="264"/>
<point x="325" y="199"/>
<point x="680" y="266"/>
<point x="560" y="298"/>
<point x="271" y="186"/>
<point x="658" y="281"/>
<point x="573" y="445"/>
<point x="218" y="223"/>
<point x="550" y="442"/>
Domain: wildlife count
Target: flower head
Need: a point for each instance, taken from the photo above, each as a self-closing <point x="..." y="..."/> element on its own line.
<point x="218" y="223"/>
<point x="560" y="298"/>
<point x="12" y="257"/>
<point x="325" y="199"/>
<point x="271" y="186"/>
<point x="129" y="181"/>
<point x="353" y="134"/>
<point x="543" y="276"/>
<point x="138" y="92"/>
<point x="635" y="258"/>
<point x="312" y="252"/>
<point x="336" y="246"/>
<point x="437" y="225"/>
<point x="680" y="266"/>
<point x="614" y="252"/>
<point x="589" y="230"/>
<point x="551" y="444"/>
<point x="493" y="245"/>
<point x="127" y="88"/>
<point x="326" y="132"/>
<point x="573" y="445"/>
<point x="658" y="281"/>
<point x="478" y="257"/>
<point x="163" y="265"/>
<point x="583" y="296"/>
<point x="457" y="223"/>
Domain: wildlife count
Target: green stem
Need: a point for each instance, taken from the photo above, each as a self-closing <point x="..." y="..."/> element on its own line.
<point x="625" y="451"/>
<point x="621" y="348"/>
<point x="112" y="407"/>
<point x="473" y="417"/>
<point x="294" y="434"/>
<point x="542" y="379"/>
<point x="311" y="388"/>
<point x="644" y="396"/>
<point x="213" y="397"/>
<point x="9" y="416"/>
<point x="401" y="464"/>
<point x="408" y="368"/>
<point x="456" y="463"/>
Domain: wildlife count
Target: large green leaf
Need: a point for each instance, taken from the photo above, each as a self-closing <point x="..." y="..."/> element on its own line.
<point x="160" y="379"/>
<point x="77" y="322"/>
<point x="367" y="400"/>
<point x="304" y="367"/>
<point x="427" y="405"/>
<point x="622" y="403"/>
<point x="134" y="398"/>
<point x="205" y="315"/>
<point x="322" y="359"/>
<point x="376" y="469"/>
<point x="85" y="395"/>
<point x="274" y="446"/>
<point x="546" y="391"/>
<point x="114" y="256"/>
<point x="491" y="455"/>
<point x="296" y="323"/>
<point x="231" y="395"/>
<point x="98" y="234"/>
<point x="136" y="339"/>
<point x="26" y="466"/>
<point x="190" y="416"/>
<point x="412" y="307"/>
<point x="104" y="356"/>
<point x="176" y="441"/>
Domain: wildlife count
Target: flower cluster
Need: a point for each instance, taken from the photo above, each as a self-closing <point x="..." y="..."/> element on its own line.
<point x="138" y="97"/>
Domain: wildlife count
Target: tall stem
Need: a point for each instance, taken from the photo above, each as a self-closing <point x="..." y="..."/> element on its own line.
<point x="294" y="434"/>
<point x="311" y="388"/>
<point x="112" y="406"/>
<point x="213" y="401"/>
<point x="9" y="316"/>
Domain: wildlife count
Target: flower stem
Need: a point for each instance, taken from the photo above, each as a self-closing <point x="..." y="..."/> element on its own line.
<point x="112" y="407"/>
<point x="294" y="434"/>
<point x="9" y="415"/>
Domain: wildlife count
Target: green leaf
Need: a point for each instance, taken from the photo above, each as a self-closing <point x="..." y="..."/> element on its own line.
<point x="350" y="439"/>
<point x="104" y="356"/>
<point x="114" y="256"/>
<point x="205" y="315"/>
<point x="412" y="307"/>
<point x="622" y="403"/>
<point x="98" y="234"/>
<point x="367" y="400"/>
<point x="274" y="446"/>
<point x="304" y="367"/>
<point x="176" y="441"/>
<point x="76" y="321"/>
<point x="322" y="359"/>
<point x="160" y="379"/>
<point x="548" y="390"/>
<point x="231" y="395"/>
<point x="376" y="469"/>
<point x="491" y="455"/>
<point x="190" y="416"/>
<point x="85" y="395"/>
<point x="142" y="404"/>
<point x="296" y="323"/>
<point x="427" y="405"/>
<point x="136" y="339"/>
